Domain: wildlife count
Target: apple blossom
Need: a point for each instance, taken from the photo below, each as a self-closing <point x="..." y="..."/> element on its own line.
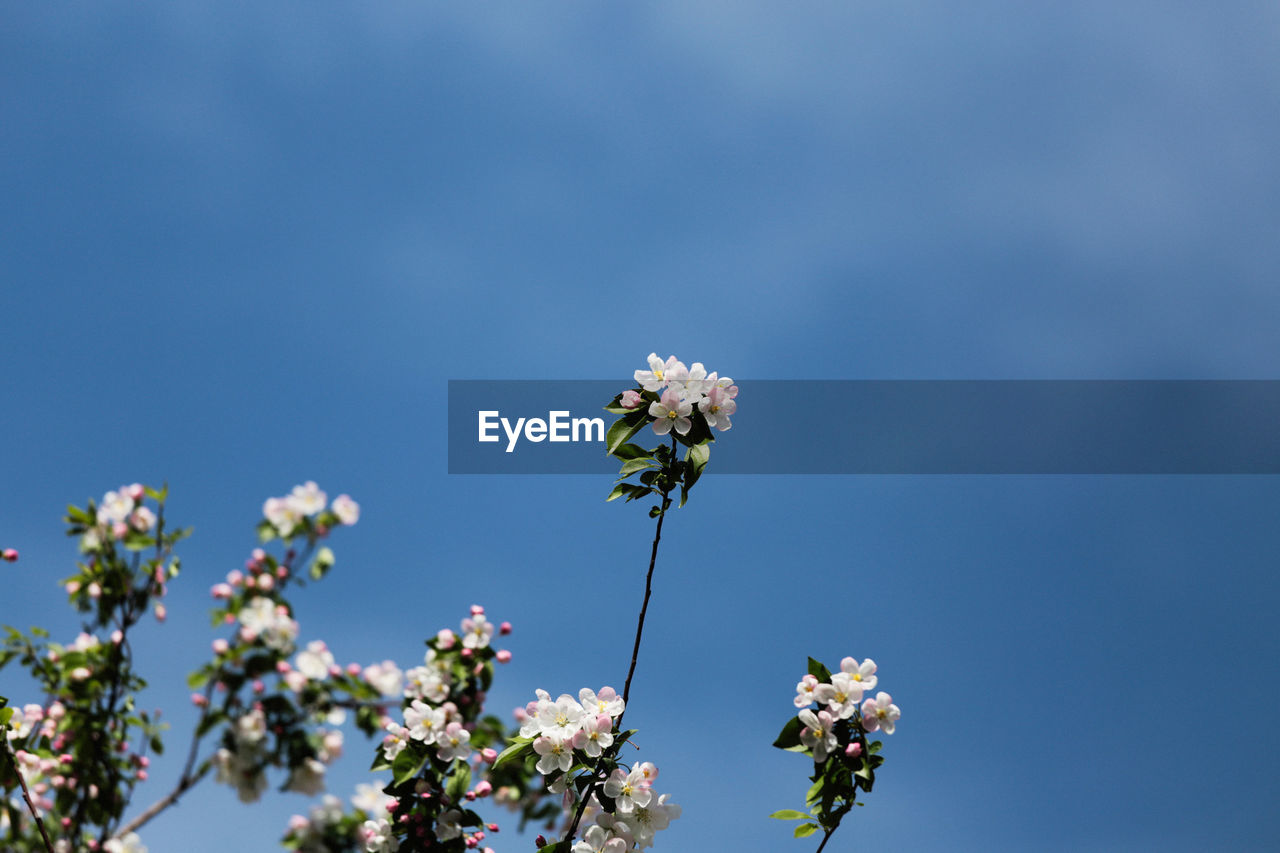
<point x="880" y="713"/>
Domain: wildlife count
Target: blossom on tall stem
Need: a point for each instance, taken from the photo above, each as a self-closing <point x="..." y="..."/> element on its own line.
<point x="671" y="413"/>
<point x="880" y="713"/>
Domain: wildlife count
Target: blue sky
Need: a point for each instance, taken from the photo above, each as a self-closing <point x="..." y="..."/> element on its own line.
<point x="246" y="245"/>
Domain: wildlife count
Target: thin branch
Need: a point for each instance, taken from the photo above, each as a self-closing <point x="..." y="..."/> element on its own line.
<point x="26" y="795"/>
<point x="635" y="654"/>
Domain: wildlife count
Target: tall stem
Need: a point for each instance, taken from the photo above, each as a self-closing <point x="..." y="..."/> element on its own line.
<point x="635" y="653"/>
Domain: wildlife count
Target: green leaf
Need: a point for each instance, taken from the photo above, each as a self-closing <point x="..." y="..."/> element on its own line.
<point x="407" y="764"/>
<point x="514" y="751"/>
<point x="633" y="465"/>
<point x="458" y="783"/>
<point x="789" y="738"/>
<point x="5" y="715"/>
<point x="815" y="791"/>
<point x="818" y="670"/>
<point x="789" y="814"/>
<point x="632" y="451"/>
<point x="804" y="830"/>
<point x="624" y="428"/>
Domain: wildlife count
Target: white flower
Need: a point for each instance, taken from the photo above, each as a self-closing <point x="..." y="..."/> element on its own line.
<point x="597" y="840"/>
<point x="863" y="673"/>
<point x="716" y="407"/>
<point x="115" y="507"/>
<point x="476" y="631"/>
<point x="595" y="735"/>
<point x="384" y="677"/>
<point x="307" y="778"/>
<point x="655" y="378"/>
<point x="379" y="837"/>
<point x="370" y="800"/>
<point x="448" y="825"/>
<point x="243" y="773"/>
<point x="556" y="754"/>
<point x="265" y="620"/>
<point x="561" y="718"/>
<point x="671" y="412"/>
<point x="453" y="742"/>
<point x="424" y="722"/>
<point x="314" y="663"/>
<point x="841" y="696"/>
<point x="282" y="515"/>
<point x="142" y="519"/>
<point x="880" y="713"/>
<point x="347" y="510"/>
<point x="130" y="843"/>
<point x="607" y="701"/>
<point x="251" y="728"/>
<point x="805" y="690"/>
<point x="650" y="818"/>
<point x="307" y="499"/>
<point x="628" y="790"/>
<point x="396" y="739"/>
<point x="426" y="682"/>
<point x="817" y="733"/>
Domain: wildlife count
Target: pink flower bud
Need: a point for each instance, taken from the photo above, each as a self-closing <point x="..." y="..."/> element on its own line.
<point x="445" y="639"/>
<point x="161" y="612"/>
<point x="492" y="827"/>
<point x="135" y="491"/>
<point x="504" y="629"/>
<point x="73" y="587"/>
<point x="484" y="789"/>
<point x="503" y="656"/>
<point x="9" y="555"/>
<point x="466" y="654"/>
<point x="283" y="666"/>
<point x="220" y="646"/>
<point x="95" y="591"/>
<point x="119" y="530"/>
<point x="540" y="841"/>
<point x="282" y="572"/>
<point x="143" y="761"/>
<point x="470" y="796"/>
<point x="259" y="554"/>
<point x="234" y="577"/>
<point x="117" y="637"/>
<point x="630" y="399"/>
<point x="142" y="775"/>
<point x="229" y="619"/>
<point x="199" y="700"/>
<point x="488" y="755"/>
<point x="66" y="821"/>
<point x="477" y="610"/>
<point x="353" y="669"/>
<point x="853" y="750"/>
<point x="258" y="686"/>
<point x="265" y="582"/>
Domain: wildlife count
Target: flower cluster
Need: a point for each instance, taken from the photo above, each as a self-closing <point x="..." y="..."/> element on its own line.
<point x="677" y="391"/>
<point x="440" y="749"/>
<point x="685" y="403"/>
<point x="835" y="735"/>
<point x="573" y="743"/>
<point x="303" y="510"/>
